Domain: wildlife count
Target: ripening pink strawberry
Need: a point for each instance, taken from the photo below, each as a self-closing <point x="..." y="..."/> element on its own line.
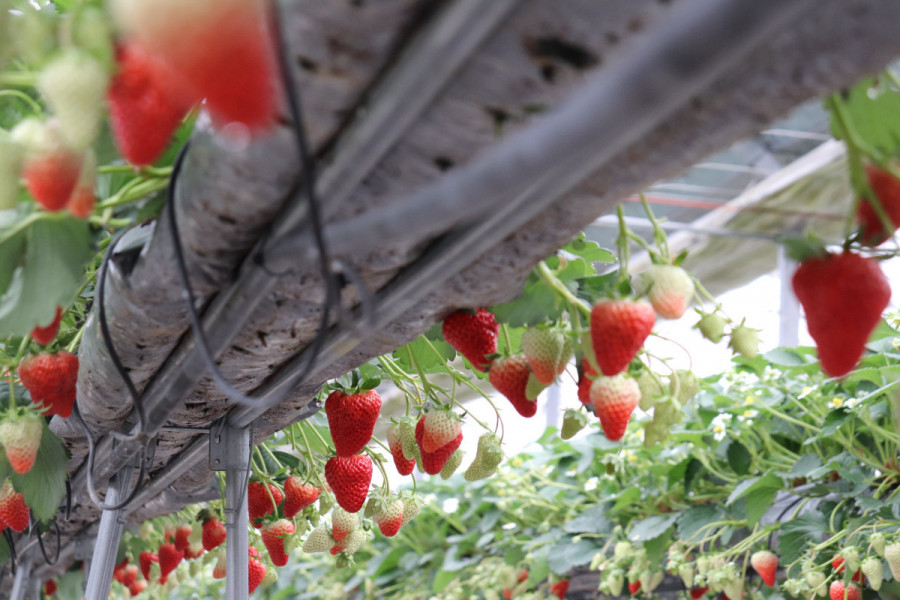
<point x="669" y="289"/>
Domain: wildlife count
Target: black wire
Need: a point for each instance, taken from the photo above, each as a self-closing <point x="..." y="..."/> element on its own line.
<point x="36" y="528"/>
<point x="89" y="480"/>
<point x="68" y="498"/>
<point x="309" y="183"/>
<point x="110" y="347"/>
<point x="7" y="535"/>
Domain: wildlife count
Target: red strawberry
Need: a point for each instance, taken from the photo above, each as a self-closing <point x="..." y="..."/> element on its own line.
<point x="585" y="379"/>
<point x="181" y="537"/>
<point x="560" y="588"/>
<point x="614" y="399"/>
<point x="634" y="588"/>
<point x="73" y="84"/>
<point x="669" y="289"/>
<point x="545" y="350"/>
<point x="259" y="503"/>
<point x="439" y="428"/>
<point x="697" y="593"/>
<point x="522" y="576"/>
<point x="837" y="563"/>
<point x="509" y="376"/>
<point x="219" y="571"/>
<point x="51" y="169"/>
<point x="146" y="560"/>
<point x="887" y="189"/>
<point x="49" y="587"/>
<point x="349" y="478"/>
<point x="129" y="575"/>
<point x="843" y="296"/>
<point x="119" y="571"/>
<point x="618" y="330"/>
<point x="51" y="380"/>
<point x="220" y="49"/>
<point x="146" y="105"/>
<point x="81" y="202"/>
<point x="298" y="495"/>
<point x="837" y="591"/>
<point x="351" y="419"/>
<point x="474" y="335"/>
<point x="273" y="535"/>
<point x="433" y="462"/>
<point x="169" y="557"/>
<point x="389" y="516"/>
<point x="342" y="523"/>
<point x="20" y="434"/>
<point x="137" y="587"/>
<point x="13" y="509"/>
<point x="404" y="465"/>
<point x="213" y="533"/>
<point x="765" y="563"/>
<point x="257" y="572"/>
<point x="45" y="335"/>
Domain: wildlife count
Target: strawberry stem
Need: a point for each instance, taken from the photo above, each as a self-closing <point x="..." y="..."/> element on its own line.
<point x="551" y="280"/>
<point x="856" y="148"/>
<point x="659" y="236"/>
<point x="622" y="247"/>
<point x="32" y="104"/>
<point x="308" y="457"/>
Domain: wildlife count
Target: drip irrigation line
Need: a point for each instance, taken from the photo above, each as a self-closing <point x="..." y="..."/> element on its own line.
<point x="68" y="498"/>
<point x="89" y="483"/>
<point x="36" y="529"/>
<point x="113" y="354"/>
<point x="7" y="535"/>
<point x="309" y="183"/>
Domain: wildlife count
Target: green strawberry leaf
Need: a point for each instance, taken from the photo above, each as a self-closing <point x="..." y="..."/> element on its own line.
<point x="589" y="251"/>
<point x="801" y="248"/>
<point x="873" y="108"/>
<point x="42" y="263"/>
<point x="652" y="527"/>
<point x="45" y="484"/>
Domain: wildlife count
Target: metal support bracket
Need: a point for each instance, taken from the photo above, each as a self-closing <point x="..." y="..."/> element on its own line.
<point x="112" y="524"/>
<point x="22" y="580"/>
<point x="229" y="451"/>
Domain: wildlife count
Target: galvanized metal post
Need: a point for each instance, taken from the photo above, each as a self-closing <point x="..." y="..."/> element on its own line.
<point x="112" y="523"/>
<point x="229" y="450"/>
<point x="37" y="586"/>
<point x="789" y="307"/>
<point x="20" y="583"/>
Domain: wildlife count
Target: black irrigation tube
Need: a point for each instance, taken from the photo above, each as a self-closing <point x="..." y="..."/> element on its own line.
<point x="403" y="94"/>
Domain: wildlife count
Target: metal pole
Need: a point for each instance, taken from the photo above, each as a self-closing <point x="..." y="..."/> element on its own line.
<point x="36" y="587"/>
<point x="789" y="308"/>
<point x="112" y="523"/>
<point x="20" y="583"/>
<point x="229" y="450"/>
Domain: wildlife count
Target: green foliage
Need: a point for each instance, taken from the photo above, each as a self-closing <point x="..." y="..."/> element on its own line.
<point x="41" y="266"/>
<point x="45" y="484"/>
<point x="874" y="108"/>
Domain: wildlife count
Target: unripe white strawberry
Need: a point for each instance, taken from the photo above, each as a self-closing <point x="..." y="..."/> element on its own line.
<point x="440" y="428"/>
<point x="669" y="289"/>
<point x="892" y="556"/>
<point x="452" y="464"/>
<point x="816" y="581"/>
<point x="876" y="540"/>
<point x="74" y="85"/>
<point x="412" y="504"/>
<point x="712" y="326"/>
<point x="851" y="556"/>
<point x="745" y="341"/>
<point x="319" y="540"/>
<point x="873" y="569"/>
<point x="534" y="387"/>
